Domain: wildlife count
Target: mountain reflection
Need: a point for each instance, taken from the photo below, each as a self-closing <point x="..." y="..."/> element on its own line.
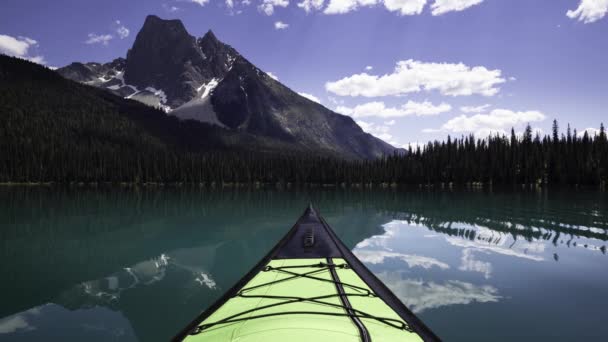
<point x="147" y="261"/>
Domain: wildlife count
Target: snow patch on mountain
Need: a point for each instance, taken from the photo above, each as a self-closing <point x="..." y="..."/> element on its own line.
<point x="208" y="87"/>
<point x="199" y="109"/>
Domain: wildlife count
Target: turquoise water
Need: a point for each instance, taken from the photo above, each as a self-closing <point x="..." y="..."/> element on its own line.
<point x="137" y="265"/>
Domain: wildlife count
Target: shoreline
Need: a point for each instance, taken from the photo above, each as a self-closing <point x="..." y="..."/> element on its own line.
<point x="289" y="185"/>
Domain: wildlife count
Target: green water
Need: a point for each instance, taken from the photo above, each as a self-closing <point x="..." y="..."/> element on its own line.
<point x="128" y="265"/>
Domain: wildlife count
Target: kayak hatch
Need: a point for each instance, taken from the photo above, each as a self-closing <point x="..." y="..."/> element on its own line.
<point x="309" y="287"/>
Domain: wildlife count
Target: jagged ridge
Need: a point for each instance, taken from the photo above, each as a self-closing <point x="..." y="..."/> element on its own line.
<point x="209" y="81"/>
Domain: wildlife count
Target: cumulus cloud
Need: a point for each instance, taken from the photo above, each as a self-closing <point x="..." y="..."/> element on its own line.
<point x="497" y="121"/>
<point x="267" y="6"/>
<point x="369" y="67"/>
<point x="121" y="30"/>
<point x="279" y="25"/>
<point x="440" y="7"/>
<point x="102" y="39"/>
<point x="311" y="5"/>
<point x="404" y="7"/>
<point x="591" y="132"/>
<point x="273" y="76"/>
<point x="379" y="131"/>
<point x="310" y="97"/>
<point x="475" y="109"/>
<point x="200" y="2"/>
<point x="16" y="46"/>
<point x="379" y="109"/>
<point x="345" y="6"/>
<point x="589" y="11"/>
<point x="20" y="47"/>
<point x="412" y="76"/>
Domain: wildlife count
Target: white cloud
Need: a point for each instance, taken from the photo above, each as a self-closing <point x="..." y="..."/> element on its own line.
<point x="279" y="25"/>
<point x="103" y="39"/>
<point x="414" y="76"/>
<point x="345" y="6"/>
<point x="379" y="109"/>
<point x="390" y="122"/>
<point x="440" y="7"/>
<point x="15" y="46"/>
<point x="200" y="2"/>
<point x="20" y="47"/>
<point x="310" y="97"/>
<point x="590" y="131"/>
<point x="121" y="30"/>
<point x="369" y="67"/>
<point x="311" y="5"/>
<point x="230" y="4"/>
<point x="267" y="6"/>
<point x="405" y="7"/>
<point x="497" y="121"/>
<point x="379" y="131"/>
<point x="37" y="59"/>
<point x="475" y="109"/>
<point x="589" y="11"/>
<point x="275" y="77"/>
<point x="425" y="108"/>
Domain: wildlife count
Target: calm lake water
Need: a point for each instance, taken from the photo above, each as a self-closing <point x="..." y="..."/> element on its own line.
<point x="128" y="265"/>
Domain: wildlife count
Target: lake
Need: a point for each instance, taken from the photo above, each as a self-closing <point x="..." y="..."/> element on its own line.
<point x="138" y="264"/>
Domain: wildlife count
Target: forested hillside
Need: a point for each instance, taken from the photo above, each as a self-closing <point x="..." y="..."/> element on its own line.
<point x="56" y="130"/>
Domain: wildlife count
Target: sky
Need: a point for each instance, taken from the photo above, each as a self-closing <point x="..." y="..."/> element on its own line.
<point x="408" y="71"/>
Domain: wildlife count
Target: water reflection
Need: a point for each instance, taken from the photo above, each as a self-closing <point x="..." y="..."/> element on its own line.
<point x="419" y="295"/>
<point x="138" y="265"/>
<point x="50" y="322"/>
<point x="468" y="263"/>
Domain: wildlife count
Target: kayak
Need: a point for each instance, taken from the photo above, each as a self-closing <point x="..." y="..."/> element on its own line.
<point x="309" y="287"/>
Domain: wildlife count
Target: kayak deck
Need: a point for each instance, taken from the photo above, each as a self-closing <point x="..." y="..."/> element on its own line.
<point x="308" y="287"/>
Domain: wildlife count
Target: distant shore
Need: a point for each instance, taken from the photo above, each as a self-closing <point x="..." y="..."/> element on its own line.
<point x="289" y="185"/>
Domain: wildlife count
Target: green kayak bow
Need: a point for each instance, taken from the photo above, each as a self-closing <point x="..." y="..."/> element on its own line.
<point x="309" y="287"/>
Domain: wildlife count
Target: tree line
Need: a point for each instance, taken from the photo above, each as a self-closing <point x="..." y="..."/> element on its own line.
<point x="559" y="158"/>
<point x="56" y="130"/>
<point x="535" y="160"/>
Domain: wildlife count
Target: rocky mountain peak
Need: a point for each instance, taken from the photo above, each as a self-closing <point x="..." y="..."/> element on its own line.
<point x="165" y="57"/>
<point x="207" y="80"/>
<point x="154" y="24"/>
<point x="210" y="36"/>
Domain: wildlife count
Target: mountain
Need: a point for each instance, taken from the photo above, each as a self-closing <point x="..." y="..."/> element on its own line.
<point x="208" y="81"/>
<point x="49" y="122"/>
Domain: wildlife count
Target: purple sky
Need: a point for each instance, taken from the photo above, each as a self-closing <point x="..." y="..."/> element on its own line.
<point x="516" y="61"/>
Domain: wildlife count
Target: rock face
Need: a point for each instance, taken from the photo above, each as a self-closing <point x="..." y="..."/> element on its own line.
<point x="206" y="80"/>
